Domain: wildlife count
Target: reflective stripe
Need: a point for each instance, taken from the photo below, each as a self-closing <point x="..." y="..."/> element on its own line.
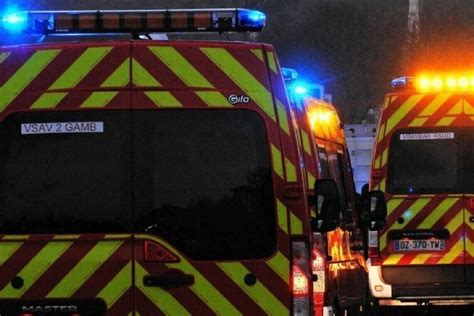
<point x="49" y="100"/>
<point x="434" y="105"/>
<point x="80" y="68"/>
<point x="163" y="99"/>
<point x="258" y="53"/>
<point x="311" y="180"/>
<point x="25" y="75"/>
<point x="141" y="77"/>
<point x="290" y="171"/>
<point x="282" y="118"/>
<point x="244" y="79"/>
<point x="437" y="213"/>
<point x="457" y="109"/>
<point x="393" y="259"/>
<point x="381" y="133"/>
<point x="161" y="298"/>
<point x="306" y="144"/>
<point x="272" y="62"/>
<point x="282" y="216"/>
<point x="421" y="258"/>
<point x="120" y="77"/>
<point x="377" y="161"/>
<point x="456" y="222"/>
<point x="16" y="237"/>
<point x="4" y="56"/>
<point x="456" y="251"/>
<point x="468" y="108"/>
<point x="281" y="265"/>
<point x="36" y="267"/>
<point x="419" y="121"/>
<point x="84" y="269"/>
<point x="180" y="66"/>
<point x="214" y="99"/>
<point x="277" y="162"/>
<point x="296" y="224"/>
<point x="392" y="204"/>
<point x="445" y="121"/>
<point x="205" y="290"/>
<point x="99" y="99"/>
<point x="402" y="111"/>
<point x="384" y="158"/>
<point x="258" y="292"/>
<point x="117" y="286"/>
<point x="8" y="249"/>
<point x="470" y="247"/>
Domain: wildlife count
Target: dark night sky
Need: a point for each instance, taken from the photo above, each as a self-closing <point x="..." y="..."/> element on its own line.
<point x="353" y="47"/>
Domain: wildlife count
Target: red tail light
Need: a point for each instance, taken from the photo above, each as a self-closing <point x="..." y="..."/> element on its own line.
<point x="300" y="282"/>
<point x="154" y="252"/>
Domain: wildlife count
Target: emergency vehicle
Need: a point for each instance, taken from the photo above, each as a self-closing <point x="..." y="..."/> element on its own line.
<point x="422" y="160"/>
<point x="145" y="177"/>
<point x="338" y="252"/>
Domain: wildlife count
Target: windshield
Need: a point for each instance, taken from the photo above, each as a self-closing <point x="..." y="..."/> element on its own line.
<point x="431" y="160"/>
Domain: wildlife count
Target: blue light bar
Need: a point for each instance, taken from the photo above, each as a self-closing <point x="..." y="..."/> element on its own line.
<point x="135" y="21"/>
<point x="289" y="74"/>
<point x="402" y="83"/>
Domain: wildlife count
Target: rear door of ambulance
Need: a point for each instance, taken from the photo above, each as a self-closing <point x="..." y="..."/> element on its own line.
<point x="423" y="242"/>
<point x="211" y="229"/>
<point x="65" y="233"/>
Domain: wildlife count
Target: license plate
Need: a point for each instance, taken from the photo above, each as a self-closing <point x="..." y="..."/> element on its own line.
<point x="419" y="245"/>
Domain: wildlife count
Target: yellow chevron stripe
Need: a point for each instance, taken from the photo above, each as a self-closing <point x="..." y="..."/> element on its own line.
<point x="281" y="265"/>
<point x="277" y="162"/>
<point x="384" y="158"/>
<point x="382" y="184"/>
<point x="306" y="144"/>
<point x="66" y="237"/>
<point x="99" y="99"/>
<point x="392" y="204"/>
<point x="437" y="213"/>
<point x="282" y="216"/>
<point x="402" y="111"/>
<point x="296" y="225"/>
<point x="381" y="133"/>
<point x="141" y="77"/>
<point x="25" y="75"/>
<point x="470" y="247"/>
<point x="272" y="62"/>
<point x="377" y="161"/>
<point x="457" y="109"/>
<point x="419" y="121"/>
<point x="8" y="249"/>
<point x="163" y="99"/>
<point x="258" y="292"/>
<point x="161" y="298"/>
<point x="290" y="171"/>
<point x="434" y="105"/>
<point x="311" y="180"/>
<point x="80" y="68"/>
<point x="456" y="222"/>
<point x="84" y="269"/>
<point x="117" y="286"/>
<point x="468" y="108"/>
<point x="453" y="253"/>
<point x="421" y="258"/>
<point x="120" y="77"/>
<point x="214" y="99"/>
<point x="49" y="100"/>
<point x="393" y="259"/>
<point x="4" y="56"/>
<point x="282" y="118"/>
<point x="243" y="78"/>
<point x="117" y="236"/>
<point x="217" y="302"/>
<point x="180" y="66"/>
<point x="16" y="237"/>
<point x="36" y="267"/>
<point x="445" y="121"/>
<point x="258" y="53"/>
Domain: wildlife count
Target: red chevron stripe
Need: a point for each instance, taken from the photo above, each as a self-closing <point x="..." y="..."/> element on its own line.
<point x="17" y="261"/>
<point x="124" y="305"/>
<point x="144" y="306"/>
<point x="13" y="63"/>
<point x="423" y="213"/>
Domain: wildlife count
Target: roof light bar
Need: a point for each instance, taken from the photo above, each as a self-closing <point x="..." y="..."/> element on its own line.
<point x="136" y="21"/>
<point x="435" y="83"/>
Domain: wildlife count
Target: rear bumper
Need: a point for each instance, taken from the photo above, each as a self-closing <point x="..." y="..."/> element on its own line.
<point x="378" y="287"/>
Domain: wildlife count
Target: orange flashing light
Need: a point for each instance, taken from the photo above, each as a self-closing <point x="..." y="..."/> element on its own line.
<point x="444" y="83"/>
<point x="319" y="117"/>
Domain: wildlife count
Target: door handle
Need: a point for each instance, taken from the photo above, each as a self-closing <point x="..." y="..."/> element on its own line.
<point x="169" y="279"/>
<point x="471" y="219"/>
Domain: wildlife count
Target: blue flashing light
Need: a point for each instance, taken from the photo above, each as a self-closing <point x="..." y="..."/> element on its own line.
<point x="300" y="89"/>
<point x="15" y="22"/>
<point x="251" y="19"/>
<point x="289" y="74"/>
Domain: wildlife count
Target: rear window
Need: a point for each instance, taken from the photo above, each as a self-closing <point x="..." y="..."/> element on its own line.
<point x="431" y="160"/>
<point x="65" y="172"/>
<point x="203" y="182"/>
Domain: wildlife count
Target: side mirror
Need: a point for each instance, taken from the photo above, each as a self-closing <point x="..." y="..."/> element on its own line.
<point x="327" y="202"/>
<point x="377" y="210"/>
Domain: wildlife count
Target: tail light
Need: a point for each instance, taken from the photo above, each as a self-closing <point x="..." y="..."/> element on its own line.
<point x="300" y="280"/>
<point x="374" y="251"/>
<point x="319" y="269"/>
<point x="154" y="252"/>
